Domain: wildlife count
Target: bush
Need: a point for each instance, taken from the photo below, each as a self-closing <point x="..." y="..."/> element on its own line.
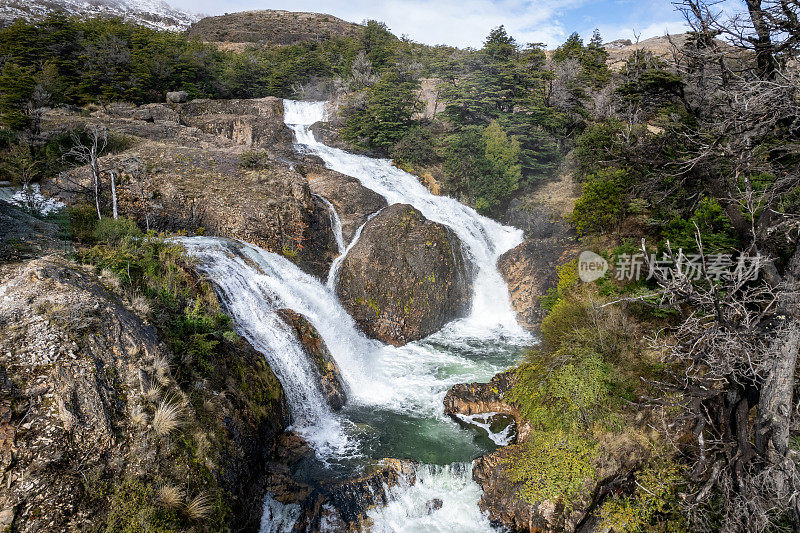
<point x="716" y="230"/>
<point x="82" y="222"/>
<point x="654" y="504"/>
<point x="600" y="207"/>
<point x="415" y="147"/>
<point x="253" y="160"/>
<point x="552" y="466"/>
<point x="114" y="230"/>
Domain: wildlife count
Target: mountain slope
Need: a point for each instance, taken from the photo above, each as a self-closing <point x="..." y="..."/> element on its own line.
<point x="155" y="14"/>
<point x="271" y="27"/>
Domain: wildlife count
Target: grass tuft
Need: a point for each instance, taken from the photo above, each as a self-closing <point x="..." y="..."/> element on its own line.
<point x="170" y="496"/>
<point x="167" y="418"/>
<point x="199" y="507"/>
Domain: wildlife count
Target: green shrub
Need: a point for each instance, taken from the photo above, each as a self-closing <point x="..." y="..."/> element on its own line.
<point x="716" y="230"/>
<point x="253" y="160"/>
<point x="600" y="206"/>
<point x="114" y="230"/>
<point x="654" y="504"/>
<point x="552" y="466"/>
<point x="82" y="222"/>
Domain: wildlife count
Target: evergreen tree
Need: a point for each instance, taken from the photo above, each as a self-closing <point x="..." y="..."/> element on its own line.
<point x="387" y="114"/>
<point x="16" y="90"/>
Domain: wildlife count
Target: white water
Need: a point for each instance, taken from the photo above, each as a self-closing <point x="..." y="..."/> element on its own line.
<point x="333" y="272"/>
<point x="503" y="437"/>
<point x="410" y="509"/>
<point x="483" y="239"/>
<point x="336" y="225"/>
<point x="400" y="389"/>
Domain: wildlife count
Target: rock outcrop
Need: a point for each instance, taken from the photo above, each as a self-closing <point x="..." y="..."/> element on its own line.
<point x="23" y="236"/>
<point x="501" y="499"/>
<point x="405" y="277"/>
<point x="530" y="270"/>
<point x="314" y="346"/>
<point x="353" y="202"/>
<point x="341" y="505"/>
<point x="255" y="122"/>
<point x="476" y="398"/>
<point x="82" y="379"/>
<point x="211" y="177"/>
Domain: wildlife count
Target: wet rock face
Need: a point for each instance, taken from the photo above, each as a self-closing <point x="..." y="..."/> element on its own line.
<point x="77" y="367"/>
<point x="353" y="202"/>
<point x="405" y="277"/>
<point x="340" y="505"/>
<point x="530" y="270"/>
<point x="318" y="354"/>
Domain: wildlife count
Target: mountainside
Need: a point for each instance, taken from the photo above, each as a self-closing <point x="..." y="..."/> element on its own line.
<point x="271" y="27"/>
<point x="151" y="13"/>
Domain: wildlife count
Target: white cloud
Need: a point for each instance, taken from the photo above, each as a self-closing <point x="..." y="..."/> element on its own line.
<point x="468" y="22"/>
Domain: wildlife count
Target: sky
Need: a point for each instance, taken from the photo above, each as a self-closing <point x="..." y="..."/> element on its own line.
<point x="467" y="22"/>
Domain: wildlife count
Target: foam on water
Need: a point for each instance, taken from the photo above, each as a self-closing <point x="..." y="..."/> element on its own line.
<point x="443" y="499"/>
<point x="410" y="381"/>
<point x="483" y="239"/>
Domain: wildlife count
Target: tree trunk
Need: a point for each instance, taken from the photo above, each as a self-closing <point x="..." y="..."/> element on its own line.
<point x="114" y="194"/>
<point x="775" y="403"/>
<point x="96" y="184"/>
<point x="765" y="51"/>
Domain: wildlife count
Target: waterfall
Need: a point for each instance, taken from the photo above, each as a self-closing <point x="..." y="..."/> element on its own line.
<point x="394" y="394"/>
<point x="336" y="224"/>
<point x="443" y="499"/>
<point x="483" y="239"/>
<point x="337" y="263"/>
<point x="252" y="285"/>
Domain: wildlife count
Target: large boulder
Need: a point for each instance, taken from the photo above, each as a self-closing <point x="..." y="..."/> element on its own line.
<point x="314" y="346"/>
<point x="353" y="202"/>
<point x="405" y="277"/>
<point x="177" y="97"/>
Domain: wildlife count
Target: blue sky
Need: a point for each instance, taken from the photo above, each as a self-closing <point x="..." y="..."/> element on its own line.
<point x="467" y="22"/>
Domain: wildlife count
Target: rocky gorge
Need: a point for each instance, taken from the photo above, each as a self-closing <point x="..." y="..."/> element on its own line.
<point x="183" y="167"/>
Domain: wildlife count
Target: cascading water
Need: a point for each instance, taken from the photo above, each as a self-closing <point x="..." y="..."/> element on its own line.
<point x="395" y="395"/>
<point x="336" y="225"/>
<point x="484" y="240"/>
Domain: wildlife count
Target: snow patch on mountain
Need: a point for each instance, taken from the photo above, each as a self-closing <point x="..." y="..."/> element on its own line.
<point x="155" y="14"/>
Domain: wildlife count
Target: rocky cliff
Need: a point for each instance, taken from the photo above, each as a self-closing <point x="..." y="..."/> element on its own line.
<point x="405" y="277"/>
<point x="94" y="426"/>
<point x="208" y="167"/>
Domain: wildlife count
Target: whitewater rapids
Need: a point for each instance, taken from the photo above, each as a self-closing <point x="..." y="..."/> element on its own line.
<point x="394" y="394"/>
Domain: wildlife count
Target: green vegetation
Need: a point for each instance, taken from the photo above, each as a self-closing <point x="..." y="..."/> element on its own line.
<point x="156" y="277"/>
<point x="497" y="135"/>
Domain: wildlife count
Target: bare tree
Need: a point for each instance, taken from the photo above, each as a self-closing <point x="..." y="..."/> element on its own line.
<point x="736" y="350"/>
<point x="737" y="345"/>
<point x="88" y="152"/>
